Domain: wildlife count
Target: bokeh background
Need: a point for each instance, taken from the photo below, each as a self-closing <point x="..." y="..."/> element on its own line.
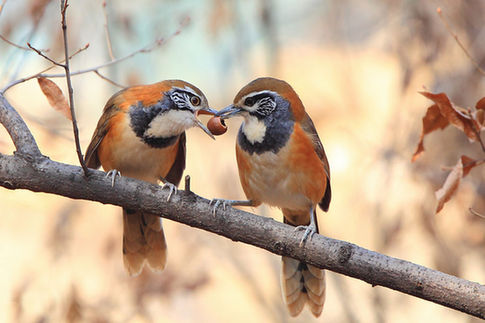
<point x="357" y="66"/>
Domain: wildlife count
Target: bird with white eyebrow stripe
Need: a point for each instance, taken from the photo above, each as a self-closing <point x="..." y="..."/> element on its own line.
<point x="282" y="163"/>
<point x="141" y="134"/>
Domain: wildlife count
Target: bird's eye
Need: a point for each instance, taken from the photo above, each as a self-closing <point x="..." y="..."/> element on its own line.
<point x="249" y="102"/>
<point x="195" y="101"/>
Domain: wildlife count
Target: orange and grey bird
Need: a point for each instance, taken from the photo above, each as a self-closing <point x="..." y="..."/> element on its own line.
<point x="141" y="134"/>
<point x="282" y="163"/>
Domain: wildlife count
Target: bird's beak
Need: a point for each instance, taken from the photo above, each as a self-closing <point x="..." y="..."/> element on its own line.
<point x="228" y="112"/>
<point x="200" y="124"/>
<point x="207" y="110"/>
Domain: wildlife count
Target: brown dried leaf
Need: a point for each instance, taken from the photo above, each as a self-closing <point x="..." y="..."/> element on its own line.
<point x="480" y="104"/>
<point x="450" y="186"/>
<point x="468" y="163"/>
<point x="453" y="114"/>
<point x="432" y="121"/>
<point x="479" y="118"/>
<point x="55" y="97"/>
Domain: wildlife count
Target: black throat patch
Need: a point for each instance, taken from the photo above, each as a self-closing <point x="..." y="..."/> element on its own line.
<point x="140" y="118"/>
<point x="279" y="126"/>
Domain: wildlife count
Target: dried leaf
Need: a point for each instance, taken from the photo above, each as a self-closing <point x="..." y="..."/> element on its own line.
<point x="480" y="104"/>
<point x="479" y="118"/>
<point x="432" y="121"/>
<point x="468" y="163"/>
<point x="453" y="114"/>
<point x="450" y="186"/>
<point x="55" y="97"/>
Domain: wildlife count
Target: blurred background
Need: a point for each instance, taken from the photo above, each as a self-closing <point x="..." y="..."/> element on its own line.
<point x="357" y="66"/>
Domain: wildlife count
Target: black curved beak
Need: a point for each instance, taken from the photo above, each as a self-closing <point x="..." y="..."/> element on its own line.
<point x="228" y="112"/>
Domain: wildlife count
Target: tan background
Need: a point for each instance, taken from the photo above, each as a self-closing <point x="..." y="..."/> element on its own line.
<point x="357" y="66"/>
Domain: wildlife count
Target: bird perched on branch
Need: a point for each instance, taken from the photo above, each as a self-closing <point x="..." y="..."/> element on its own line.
<point x="282" y="163"/>
<point x="141" y="134"/>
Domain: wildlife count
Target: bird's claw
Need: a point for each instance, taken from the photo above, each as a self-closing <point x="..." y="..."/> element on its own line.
<point x="172" y="189"/>
<point x="216" y="203"/>
<point x="308" y="234"/>
<point x="113" y="173"/>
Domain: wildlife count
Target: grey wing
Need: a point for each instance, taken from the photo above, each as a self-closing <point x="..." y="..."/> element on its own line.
<point x="309" y="127"/>
<point x="175" y="173"/>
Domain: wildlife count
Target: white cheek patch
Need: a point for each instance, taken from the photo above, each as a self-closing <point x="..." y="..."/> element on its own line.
<point x="170" y="123"/>
<point x="254" y="130"/>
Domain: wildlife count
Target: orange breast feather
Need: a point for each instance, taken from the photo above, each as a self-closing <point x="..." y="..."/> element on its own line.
<point x="244" y="166"/>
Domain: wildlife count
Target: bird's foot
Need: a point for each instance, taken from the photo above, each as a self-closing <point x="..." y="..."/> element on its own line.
<point x="173" y="189"/>
<point x="310" y="230"/>
<point x="215" y="203"/>
<point x="113" y="173"/>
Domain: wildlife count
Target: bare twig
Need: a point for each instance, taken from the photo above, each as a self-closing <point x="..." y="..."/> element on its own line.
<point x="38" y="51"/>
<point x="187" y="183"/>
<point x="157" y="43"/>
<point x="108" y="80"/>
<point x="64" y="5"/>
<point x="106" y="32"/>
<point x="13" y="44"/>
<point x="472" y="211"/>
<point x="475" y="129"/>
<point x="2" y="91"/>
<point x="440" y="13"/>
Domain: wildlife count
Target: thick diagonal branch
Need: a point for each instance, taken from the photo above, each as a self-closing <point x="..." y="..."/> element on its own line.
<point x="48" y="176"/>
<point x="28" y="169"/>
<point x="17" y="129"/>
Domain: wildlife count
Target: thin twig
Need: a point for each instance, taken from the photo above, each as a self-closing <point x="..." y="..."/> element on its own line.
<point x="146" y="49"/>
<point x="40" y="74"/>
<point x="187" y="183"/>
<point x="475" y="130"/>
<point x="13" y="44"/>
<point x="108" y="79"/>
<point x="64" y="5"/>
<point x="157" y="43"/>
<point x="106" y="32"/>
<point x="472" y="211"/>
<point x="440" y="13"/>
<point x="38" y="51"/>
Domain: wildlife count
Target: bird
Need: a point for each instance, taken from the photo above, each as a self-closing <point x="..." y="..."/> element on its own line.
<point x="282" y="163"/>
<point x="141" y="134"/>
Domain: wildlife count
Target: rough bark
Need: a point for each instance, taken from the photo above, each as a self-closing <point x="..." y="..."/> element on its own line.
<point x="28" y="169"/>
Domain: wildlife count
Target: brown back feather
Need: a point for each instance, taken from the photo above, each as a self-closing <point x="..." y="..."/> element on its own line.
<point x="308" y="126"/>
<point x="91" y="156"/>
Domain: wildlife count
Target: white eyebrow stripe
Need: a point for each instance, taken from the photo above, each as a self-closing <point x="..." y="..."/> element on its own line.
<point x="256" y="93"/>
<point x="187" y="89"/>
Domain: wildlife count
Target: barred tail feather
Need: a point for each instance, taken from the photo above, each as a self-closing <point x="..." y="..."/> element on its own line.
<point x="143" y="240"/>
<point x="302" y="284"/>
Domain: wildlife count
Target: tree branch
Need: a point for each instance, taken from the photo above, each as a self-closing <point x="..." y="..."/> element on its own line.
<point x="64" y="5"/>
<point x="157" y="43"/>
<point x="44" y="175"/>
<point x="19" y="132"/>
